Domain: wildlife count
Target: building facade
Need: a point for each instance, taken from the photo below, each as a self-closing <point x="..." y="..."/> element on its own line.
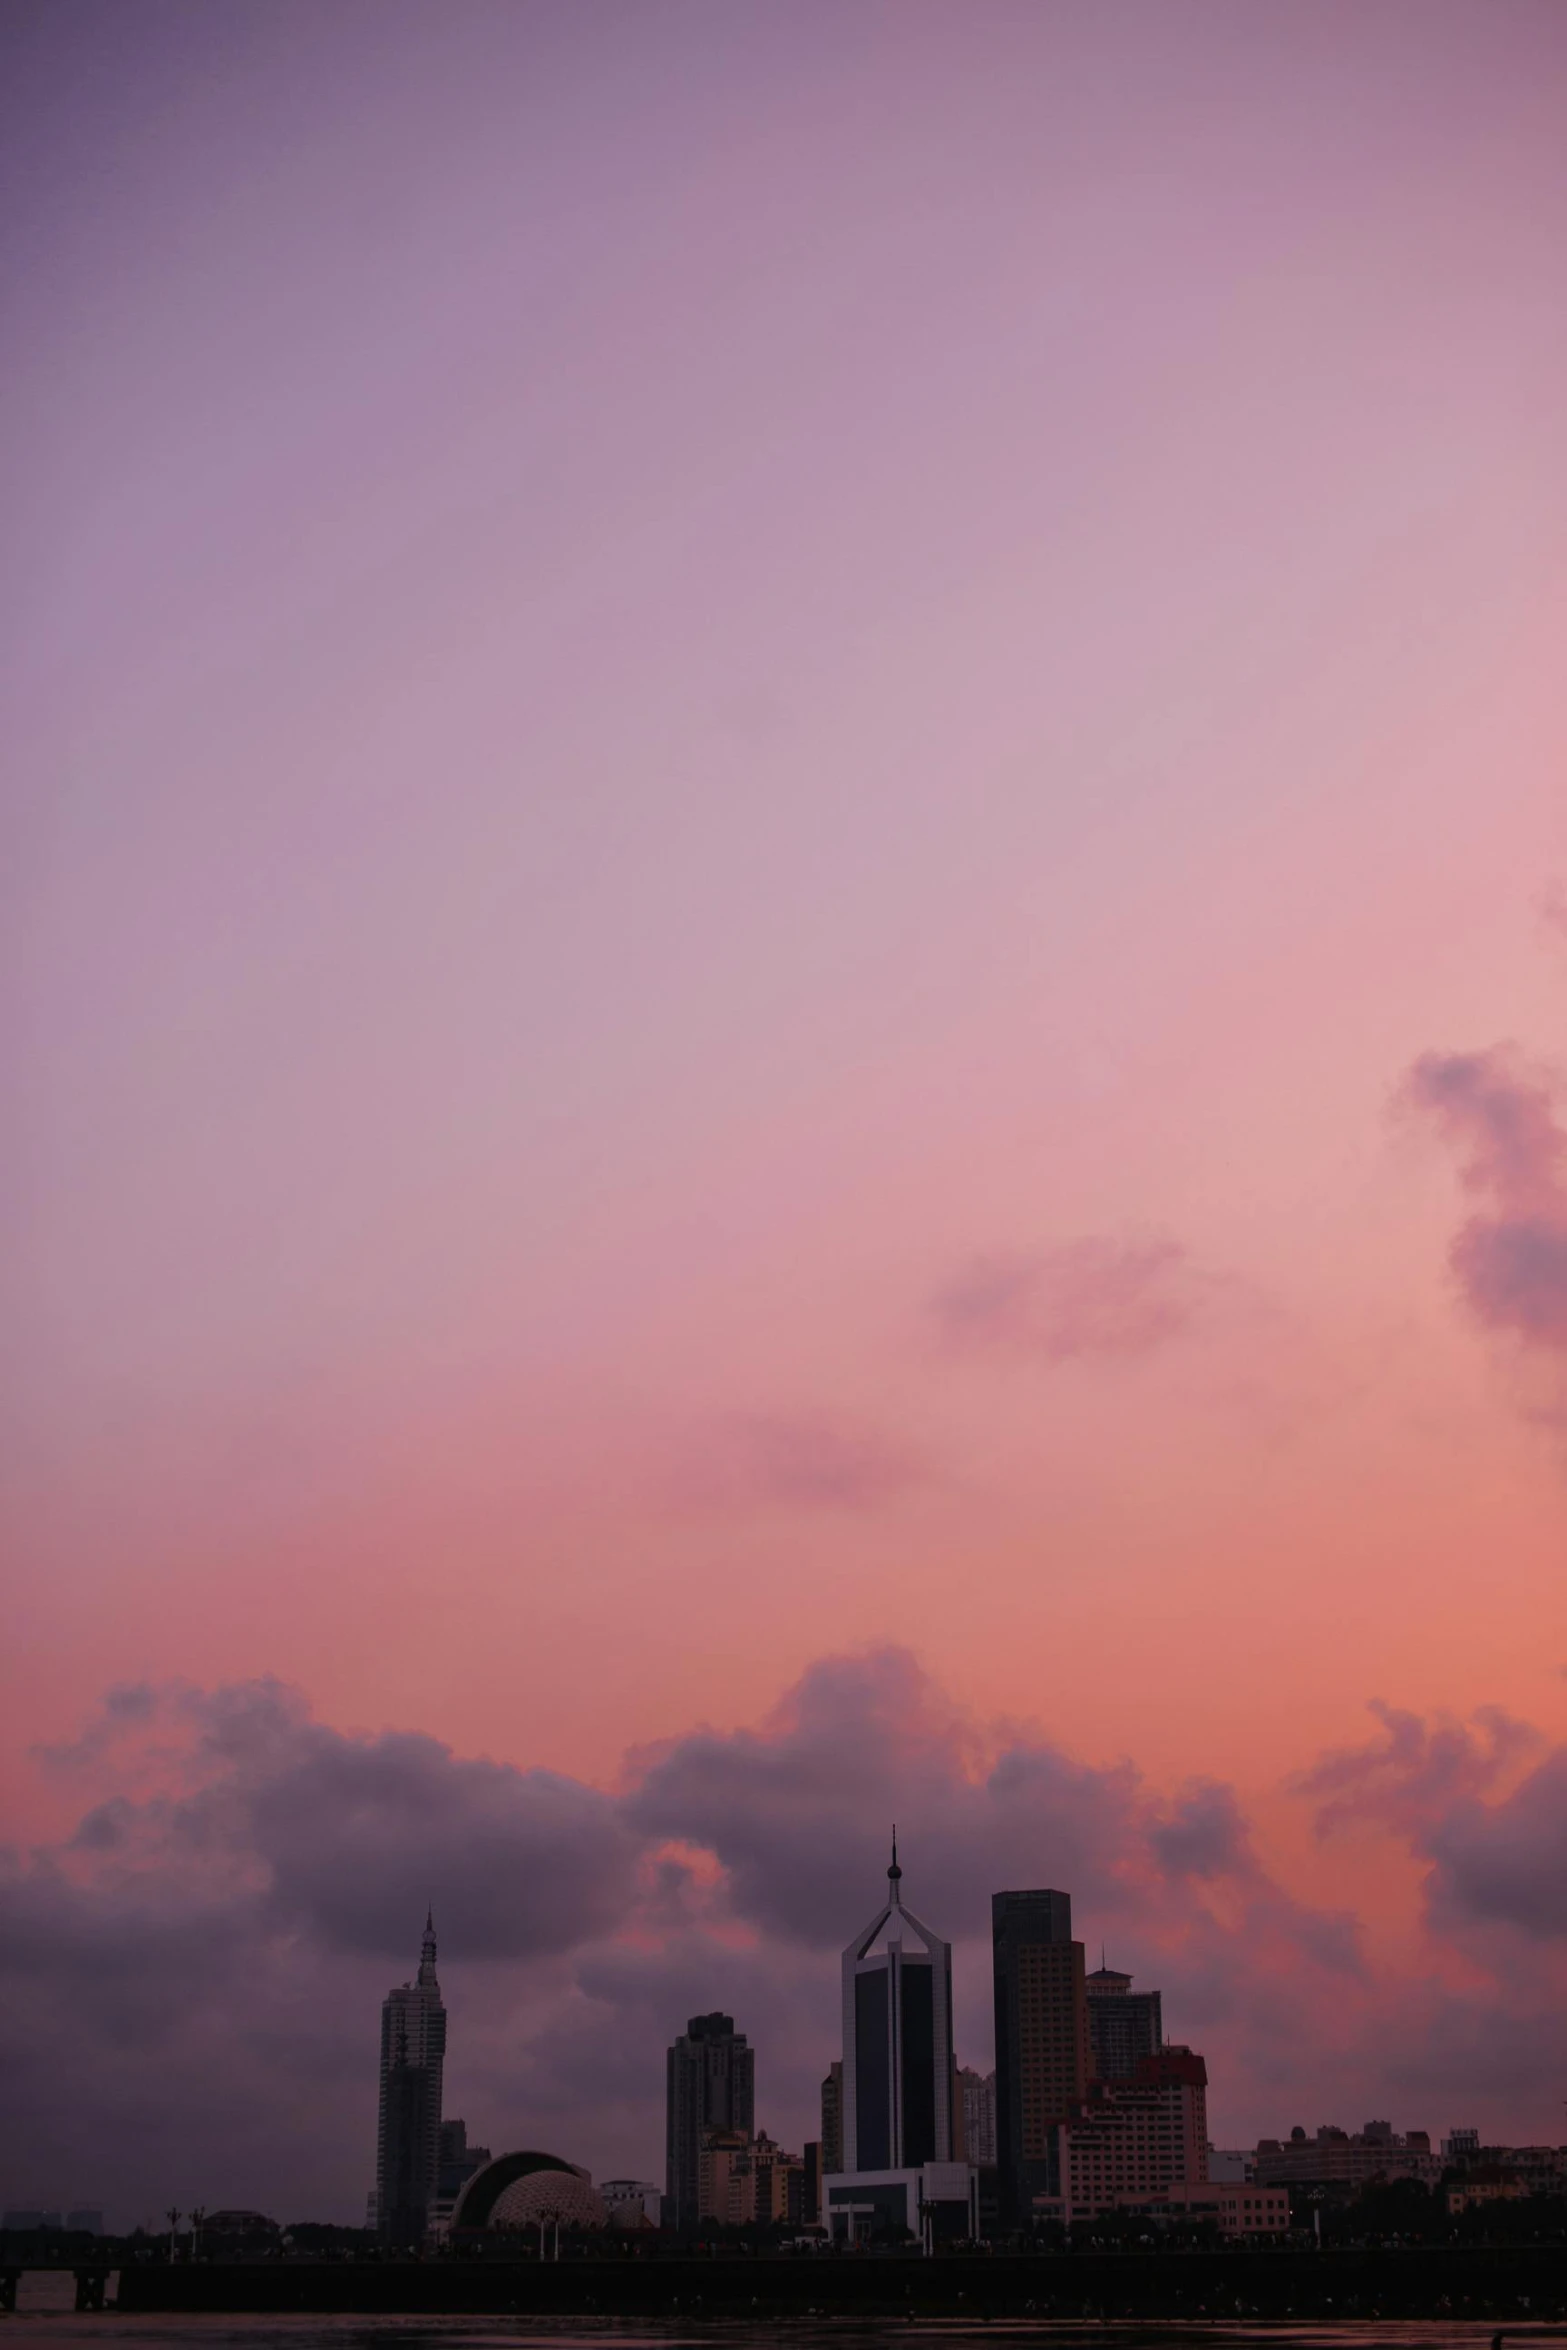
<point x="457" y="2162"/>
<point x="977" y="2111"/>
<point x="1332" y="2158"/>
<point x="897" y="2041"/>
<point x="1124" y="2025"/>
<point x="1238" y="2209"/>
<point x="898" y="2175"/>
<point x="408" y="2138"/>
<point x="1044" y="2059"/>
<point x="1131" y="2140"/>
<point x="632" y="2203"/>
<point x="710" y="2086"/>
<point x="832" y="2117"/>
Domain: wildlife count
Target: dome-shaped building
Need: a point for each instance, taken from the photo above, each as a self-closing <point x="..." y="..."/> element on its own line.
<point x="529" y="2190"/>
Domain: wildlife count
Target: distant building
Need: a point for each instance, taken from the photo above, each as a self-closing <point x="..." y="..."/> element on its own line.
<point x="1124" y="2025"/>
<point x="631" y="2203"/>
<point x="514" y="2193"/>
<point x="1044" y="2058"/>
<point x="710" y="2085"/>
<point x="1236" y="2208"/>
<point x="811" y="2185"/>
<point x="1332" y="2158"/>
<point x="1230" y="2166"/>
<point x="1487" y="2183"/>
<point x="779" y="2185"/>
<point x="725" y="2189"/>
<point x="977" y="2109"/>
<point x="1461" y="2143"/>
<point x="456" y="2163"/>
<point x="1140" y="2138"/>
<point x="85" y="2219"/>
<point x="832" y="2117"/>
<point x="408" y="2141"/>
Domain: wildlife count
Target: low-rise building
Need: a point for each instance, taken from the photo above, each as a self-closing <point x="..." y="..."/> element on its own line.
<point x="1332" y="2158"/>
<point x="1478" y="2187"/>
<point x="937" y="2203"/>
<point x="1237" y="2210"/>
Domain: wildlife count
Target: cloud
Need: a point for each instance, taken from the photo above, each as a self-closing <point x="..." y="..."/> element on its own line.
<point x="1496" y="1843"/>
<point x="800" y="1811"/>
<point x="805" y="1460"/>
<point x="1509" y="1259"/>
<point x="1417" y="1770"/>
<point x="1204" y="1835"/>
<point x="1552" y="909"/>
<point x="1085" y="1299"/>
<point x="192" y="1976"/>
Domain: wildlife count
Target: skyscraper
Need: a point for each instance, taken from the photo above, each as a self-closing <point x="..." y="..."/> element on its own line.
<point x="408" y="2141"/>
<point x="898" y="2174"/>
<point x="710" y="2079"/>
<point x="897" y="2041"/>
<point x="1043" y="2055"/>
<point x="1124" y="2025"/>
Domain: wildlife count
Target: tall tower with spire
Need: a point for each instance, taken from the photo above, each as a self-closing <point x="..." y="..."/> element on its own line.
<point x="897" y="2040"/>
<point x="408" y="2141"/>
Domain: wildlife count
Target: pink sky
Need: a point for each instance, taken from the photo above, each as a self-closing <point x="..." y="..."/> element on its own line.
<point x="751" y="750"/>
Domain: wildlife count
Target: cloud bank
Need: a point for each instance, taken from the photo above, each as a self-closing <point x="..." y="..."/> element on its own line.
<point x="193" y="1973"/>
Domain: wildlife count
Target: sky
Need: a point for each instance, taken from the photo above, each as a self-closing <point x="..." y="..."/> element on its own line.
<point x="785" y="958"/>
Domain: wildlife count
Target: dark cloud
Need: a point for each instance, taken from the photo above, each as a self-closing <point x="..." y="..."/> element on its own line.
<point x="1510" y="1258"/>
<point x="1089" y="1298"/>
<point x="1496" y="1843"/>
<point x="1204" y="1834"/>
<point x="192" y="1978"/>
<point x="1416" y="1771"/>
<point x="800" y="1811"/>
<point x="348" y="1837"/>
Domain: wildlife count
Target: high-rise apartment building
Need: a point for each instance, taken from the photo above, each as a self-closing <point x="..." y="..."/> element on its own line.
<point x="832" y="2117"/>
<point x="1124" y="2025"/>
<point x="710" y="2079"/>
<point x="1044" y="2060"/>
<point x="408" y="2140"/>
<point x="977" y="2104"/>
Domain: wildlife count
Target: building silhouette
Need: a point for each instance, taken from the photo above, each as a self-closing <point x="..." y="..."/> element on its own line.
<point x="899" y="2176"/>
<point x="977" y="2108"/>
<point x="897" y="2040"/>
<point x="832" y="2116"/>
<point x="1044" y="2059"/>
<point x="710" y="2083"/>
<point x="408" y="2140"/>
<point x="1124" y="2025"/>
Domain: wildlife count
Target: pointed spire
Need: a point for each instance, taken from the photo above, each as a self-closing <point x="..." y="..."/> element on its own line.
<point x="894" y="1873"/>
<point x="427" y="1948"/>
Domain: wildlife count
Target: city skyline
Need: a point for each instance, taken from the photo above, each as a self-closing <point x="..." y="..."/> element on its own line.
<point x="785" y="964"/>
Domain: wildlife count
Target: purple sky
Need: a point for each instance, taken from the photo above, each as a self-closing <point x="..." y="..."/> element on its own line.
<point x="782" y="912"/>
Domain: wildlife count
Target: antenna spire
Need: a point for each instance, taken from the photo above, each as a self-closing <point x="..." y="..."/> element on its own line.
<point x="894" y="1873"/>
